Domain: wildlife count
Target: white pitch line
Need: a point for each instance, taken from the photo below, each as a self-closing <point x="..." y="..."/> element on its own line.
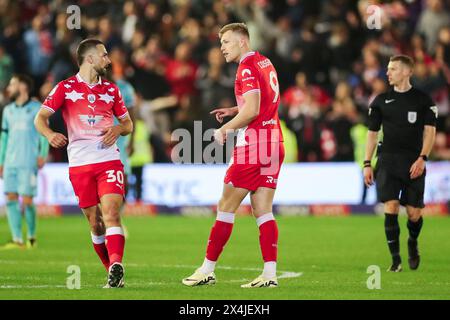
<point x="283" y="275"/>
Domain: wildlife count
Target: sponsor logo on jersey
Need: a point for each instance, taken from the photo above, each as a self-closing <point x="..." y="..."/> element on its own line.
<point x="248" y="78"/>
<point x="271" y="121"/>
<point x="90" y="120"/>
<point x="245" y="71"/>
<point x="412" y="117"/>
<point x="264" y="63"/>
<point x="271" y="179"/>
<point x="389" y="101"/>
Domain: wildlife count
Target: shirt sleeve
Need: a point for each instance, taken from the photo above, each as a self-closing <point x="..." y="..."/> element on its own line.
<point x="431" y="111"/>
<point x="4" y="136"/>
<point x="128" y="96"/>
<point x="5" y="126"/>
<point x="374" y="115"/>
<point x="249" y="78"/>
<point x="119" y="108"/>
<point x="55" y="98"/>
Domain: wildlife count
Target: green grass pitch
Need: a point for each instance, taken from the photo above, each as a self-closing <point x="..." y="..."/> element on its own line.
<point x="319" y="258"/>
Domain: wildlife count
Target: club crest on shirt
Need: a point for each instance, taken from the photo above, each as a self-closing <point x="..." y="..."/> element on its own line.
<point x="412" y="117"/>
<point x="91" y="98"/>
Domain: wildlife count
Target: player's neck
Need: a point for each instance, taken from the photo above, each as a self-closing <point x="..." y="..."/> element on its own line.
<point x="403" y="87"/>
<point x="20" y="100"/>
<point x="244" y="54"/>
<point x="88" y="75"/>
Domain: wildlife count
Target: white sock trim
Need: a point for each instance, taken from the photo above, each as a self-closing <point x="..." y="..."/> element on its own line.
<point x="114" y="230"/>
<point x="208" y="266"/>
<point x="270" y="269"/>
<point x="225" y="217"/>
<point x="264" y="218"/>
<point x="98" y="239"/>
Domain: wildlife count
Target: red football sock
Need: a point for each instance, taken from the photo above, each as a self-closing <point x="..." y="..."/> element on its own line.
<point x="115" y="242"/>
<point x="100" y="248"/>
<point x="220" y="233"/>
<point x="268" y="237"/>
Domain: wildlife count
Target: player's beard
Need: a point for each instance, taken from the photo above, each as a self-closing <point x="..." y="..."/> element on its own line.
<point x="101" y="71"/>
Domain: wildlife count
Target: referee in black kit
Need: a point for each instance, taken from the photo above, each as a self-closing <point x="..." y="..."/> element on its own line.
<point x="408" y="117"/>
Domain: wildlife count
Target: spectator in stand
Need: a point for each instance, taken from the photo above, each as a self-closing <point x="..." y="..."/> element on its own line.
<point x="215" y="81"/>
<point x="302" y="112"/>
<point x="39" y="49"/>
<point x="340" y="120"/>
<point x="432" y="19"/>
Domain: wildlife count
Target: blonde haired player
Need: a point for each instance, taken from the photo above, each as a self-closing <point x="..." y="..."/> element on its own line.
<point x="257" y="156"/>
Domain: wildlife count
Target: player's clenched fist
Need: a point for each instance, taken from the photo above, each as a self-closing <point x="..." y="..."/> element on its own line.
<point x="220" y="136"/>
<point x="368" y="176"/>
<point x="110" y="135"/>
<point x="57" y="140"/>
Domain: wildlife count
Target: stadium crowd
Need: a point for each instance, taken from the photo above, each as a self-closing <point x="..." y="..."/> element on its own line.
<point x="330" y="64"/>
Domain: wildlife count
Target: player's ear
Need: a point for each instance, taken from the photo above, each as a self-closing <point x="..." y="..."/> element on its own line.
<point x="90" y="58"/>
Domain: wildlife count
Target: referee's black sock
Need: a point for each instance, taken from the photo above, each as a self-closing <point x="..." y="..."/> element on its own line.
<point x="414" y="228"/>
<point x="392" y="230"/>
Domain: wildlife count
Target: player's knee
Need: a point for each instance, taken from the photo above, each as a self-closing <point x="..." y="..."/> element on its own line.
<point x="111" y="215"/>
<point x="414" y="214"/>
<point x="98" y="228"/>
<point x="391" y="207"/>
<point x="225" y="205"/>
<point x="27" y="201"/>
<point x="260" y="210"/>
<point x="12" y="196"/>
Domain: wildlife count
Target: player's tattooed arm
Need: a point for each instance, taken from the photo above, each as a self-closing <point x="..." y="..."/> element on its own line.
<point x="56" y="139"/>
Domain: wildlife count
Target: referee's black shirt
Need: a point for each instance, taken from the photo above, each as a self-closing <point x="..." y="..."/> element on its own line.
<point x="403" y="116"/>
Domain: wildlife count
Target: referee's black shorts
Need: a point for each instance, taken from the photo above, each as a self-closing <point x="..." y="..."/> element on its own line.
<point x="393" y="180"/>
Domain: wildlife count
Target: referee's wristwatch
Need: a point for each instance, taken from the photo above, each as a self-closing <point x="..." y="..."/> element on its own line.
<point x="424" y="157"/>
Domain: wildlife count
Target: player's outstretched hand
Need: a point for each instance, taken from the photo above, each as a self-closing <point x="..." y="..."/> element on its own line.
<point x="368" y="176"/>
<point x="220" y="136"/>
<point x="110" y="135"/>
<point x="1" y="171"/>
<point x="221" y="113"/>
<point x="417" y="168"/>
<point x="57" y="140"/>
